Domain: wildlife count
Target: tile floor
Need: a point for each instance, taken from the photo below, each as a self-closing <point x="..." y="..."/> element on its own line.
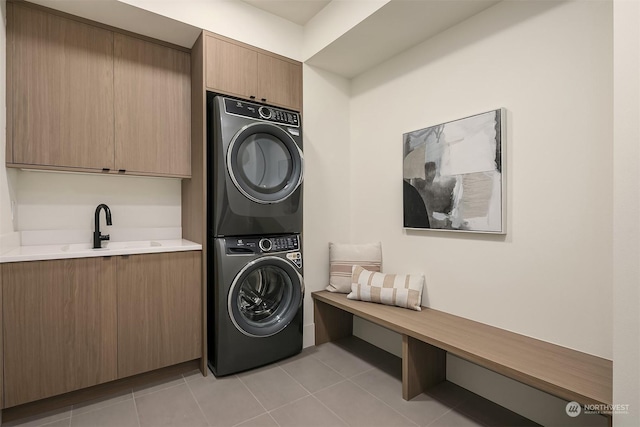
<point x="349" y="383"/>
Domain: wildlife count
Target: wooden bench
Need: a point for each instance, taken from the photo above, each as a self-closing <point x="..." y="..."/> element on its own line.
<point x="429" y="334"/>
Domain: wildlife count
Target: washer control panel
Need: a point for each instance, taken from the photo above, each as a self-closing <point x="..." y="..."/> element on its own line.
<point x="261" y="112"/>
<point x="265" y="244"/>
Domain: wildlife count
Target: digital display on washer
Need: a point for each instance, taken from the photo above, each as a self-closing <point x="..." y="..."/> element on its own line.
<point x="261" y="112"/>
<point x="266" y="244"/>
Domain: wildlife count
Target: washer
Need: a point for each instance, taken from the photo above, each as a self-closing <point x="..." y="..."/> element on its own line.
<point x="255" y="168"/>
<point x="255" y="300"/>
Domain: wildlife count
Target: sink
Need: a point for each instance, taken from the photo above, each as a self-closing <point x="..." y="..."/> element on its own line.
<point x="132" y="245"/>
<point x="80" y="247"/>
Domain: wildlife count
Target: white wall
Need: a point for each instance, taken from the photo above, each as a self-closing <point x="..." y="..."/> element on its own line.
<point x="234" y="19"/>
<point x="62" y="201"/>
<point x="626" y="208"/>
<point x="550" y="65"/>
<point x="326" y="186"/>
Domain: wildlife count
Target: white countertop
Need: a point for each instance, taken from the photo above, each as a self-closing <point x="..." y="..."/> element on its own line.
<point x="84" y="250"/>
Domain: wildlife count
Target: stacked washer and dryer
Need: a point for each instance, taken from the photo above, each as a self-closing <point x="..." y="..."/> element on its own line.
<point x="254" y="219"/>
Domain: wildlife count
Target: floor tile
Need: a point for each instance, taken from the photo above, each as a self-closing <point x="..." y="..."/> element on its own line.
<point x="450" y="394"/>
<point x="158" y="385"/>
<point x="422" y="409"/>
<point x="102" y="402"/>
<point x="492" y="414"/>
<point x="311" y="373"/>
<point x="371" y="354"/>
<point x="121" y="414"/>
<point x="308" y="412"/>
<point x="193" y="375"/>
<point x="455" y="419"/>
<point x="60" y="423"/>
<point x="272" y="386"/>
<point x="359" y="408"/>
<point x="341" y="360"/>
<point x="171" y="407"/>
<point x="224" y="401"/>
<point x="263" y="420"/>
<point x="41" y="419"/>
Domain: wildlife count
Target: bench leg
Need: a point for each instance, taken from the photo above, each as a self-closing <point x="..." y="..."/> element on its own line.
<point x="423" y="366"/>
<point x="331" y="323"/>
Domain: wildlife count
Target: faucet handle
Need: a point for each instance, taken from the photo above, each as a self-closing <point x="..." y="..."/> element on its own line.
<point x="104" y="237"/>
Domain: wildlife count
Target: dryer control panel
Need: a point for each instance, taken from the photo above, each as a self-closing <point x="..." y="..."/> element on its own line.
<point x="264" y="244"/>
<point x="261" y="112"/>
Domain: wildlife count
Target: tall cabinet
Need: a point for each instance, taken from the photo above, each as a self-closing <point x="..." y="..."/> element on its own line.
<point x="83" y="97"/>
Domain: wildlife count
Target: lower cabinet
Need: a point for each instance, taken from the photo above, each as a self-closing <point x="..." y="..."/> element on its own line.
<point x="159" y="311"/>
<point x="60" y="330"/>
<point x="74" y="323"/>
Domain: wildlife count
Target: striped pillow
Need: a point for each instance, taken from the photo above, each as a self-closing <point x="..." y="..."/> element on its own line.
<point x="401" y="290"/>
<point x="342" y="258"/>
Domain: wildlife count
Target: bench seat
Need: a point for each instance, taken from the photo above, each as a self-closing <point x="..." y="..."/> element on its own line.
<point x="428" y="334"/>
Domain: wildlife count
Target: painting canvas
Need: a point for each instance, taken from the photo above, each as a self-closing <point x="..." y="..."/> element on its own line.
<point x="454" y="175"/>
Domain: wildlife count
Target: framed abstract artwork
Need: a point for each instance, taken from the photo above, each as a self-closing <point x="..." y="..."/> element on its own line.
<point x="453" y="175"/>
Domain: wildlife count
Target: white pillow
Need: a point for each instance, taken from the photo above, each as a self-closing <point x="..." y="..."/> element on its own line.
<point x="342" y="258"/>
<point x="402" y="290"/>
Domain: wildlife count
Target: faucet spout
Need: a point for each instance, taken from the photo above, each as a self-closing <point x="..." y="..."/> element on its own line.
<point x="97" y="236"/>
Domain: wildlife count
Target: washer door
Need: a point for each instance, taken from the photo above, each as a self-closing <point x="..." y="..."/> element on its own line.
<point x="265" y="296"/>
<point x="265" y="163"/>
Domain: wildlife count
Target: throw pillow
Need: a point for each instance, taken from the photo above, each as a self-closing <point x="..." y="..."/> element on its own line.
<point x="402" y="290"/>
<point x="342" y="258"/>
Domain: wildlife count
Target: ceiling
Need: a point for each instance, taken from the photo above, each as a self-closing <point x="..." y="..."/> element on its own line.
<point x="296" y="11"/>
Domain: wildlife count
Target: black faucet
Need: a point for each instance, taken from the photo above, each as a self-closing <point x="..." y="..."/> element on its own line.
<point x="97" y="237"/>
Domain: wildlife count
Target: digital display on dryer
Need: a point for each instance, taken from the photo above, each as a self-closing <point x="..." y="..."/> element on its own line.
<point x="269" y="114"/>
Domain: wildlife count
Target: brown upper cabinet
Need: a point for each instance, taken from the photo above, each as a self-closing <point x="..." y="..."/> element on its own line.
<point x="62" y="91"/>
<point x="152" y="107"/>
<point x="85" y="98"/>
<point x="241" y="70"/>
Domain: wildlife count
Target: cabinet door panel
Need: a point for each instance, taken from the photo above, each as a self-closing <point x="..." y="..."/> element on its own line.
<point x="280" y="82"/>
<point x="230" y="68"/>
<point x="59" y="326"/>
<point x="152" y="107"/>
<point x="62" y="91"/>
<point x="159" y="311"/>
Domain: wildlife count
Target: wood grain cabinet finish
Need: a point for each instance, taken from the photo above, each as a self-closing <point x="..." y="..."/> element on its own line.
<point x="85" y="98"/>
<point x="62" y="91"/>
<point x="231" y="68"/>
<point x="152" y="107"/>
<point x="159" y="310"/>
<point x="241" y="70"/>
<point x="60" y="331"/>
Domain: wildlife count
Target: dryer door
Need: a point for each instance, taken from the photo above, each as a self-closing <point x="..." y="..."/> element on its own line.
<point x="265" y="163"/>
<point x="265" y="296"/>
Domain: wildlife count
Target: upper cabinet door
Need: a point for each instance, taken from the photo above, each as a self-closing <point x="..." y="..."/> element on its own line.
<point x="280" y="81"/>
<point x="152" y="108"/>
<point x="230" y="68"/>
<point x="62" y="73"/>
<point x="247" y="72"/>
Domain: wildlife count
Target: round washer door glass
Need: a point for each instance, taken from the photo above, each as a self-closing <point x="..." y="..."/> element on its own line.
<point x="265" y="163"/>
<point x="265" y="297"/>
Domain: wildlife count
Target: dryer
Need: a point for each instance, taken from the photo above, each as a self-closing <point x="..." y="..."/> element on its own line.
<point x="255" y="296"/>
<point x="255" y="168"/>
